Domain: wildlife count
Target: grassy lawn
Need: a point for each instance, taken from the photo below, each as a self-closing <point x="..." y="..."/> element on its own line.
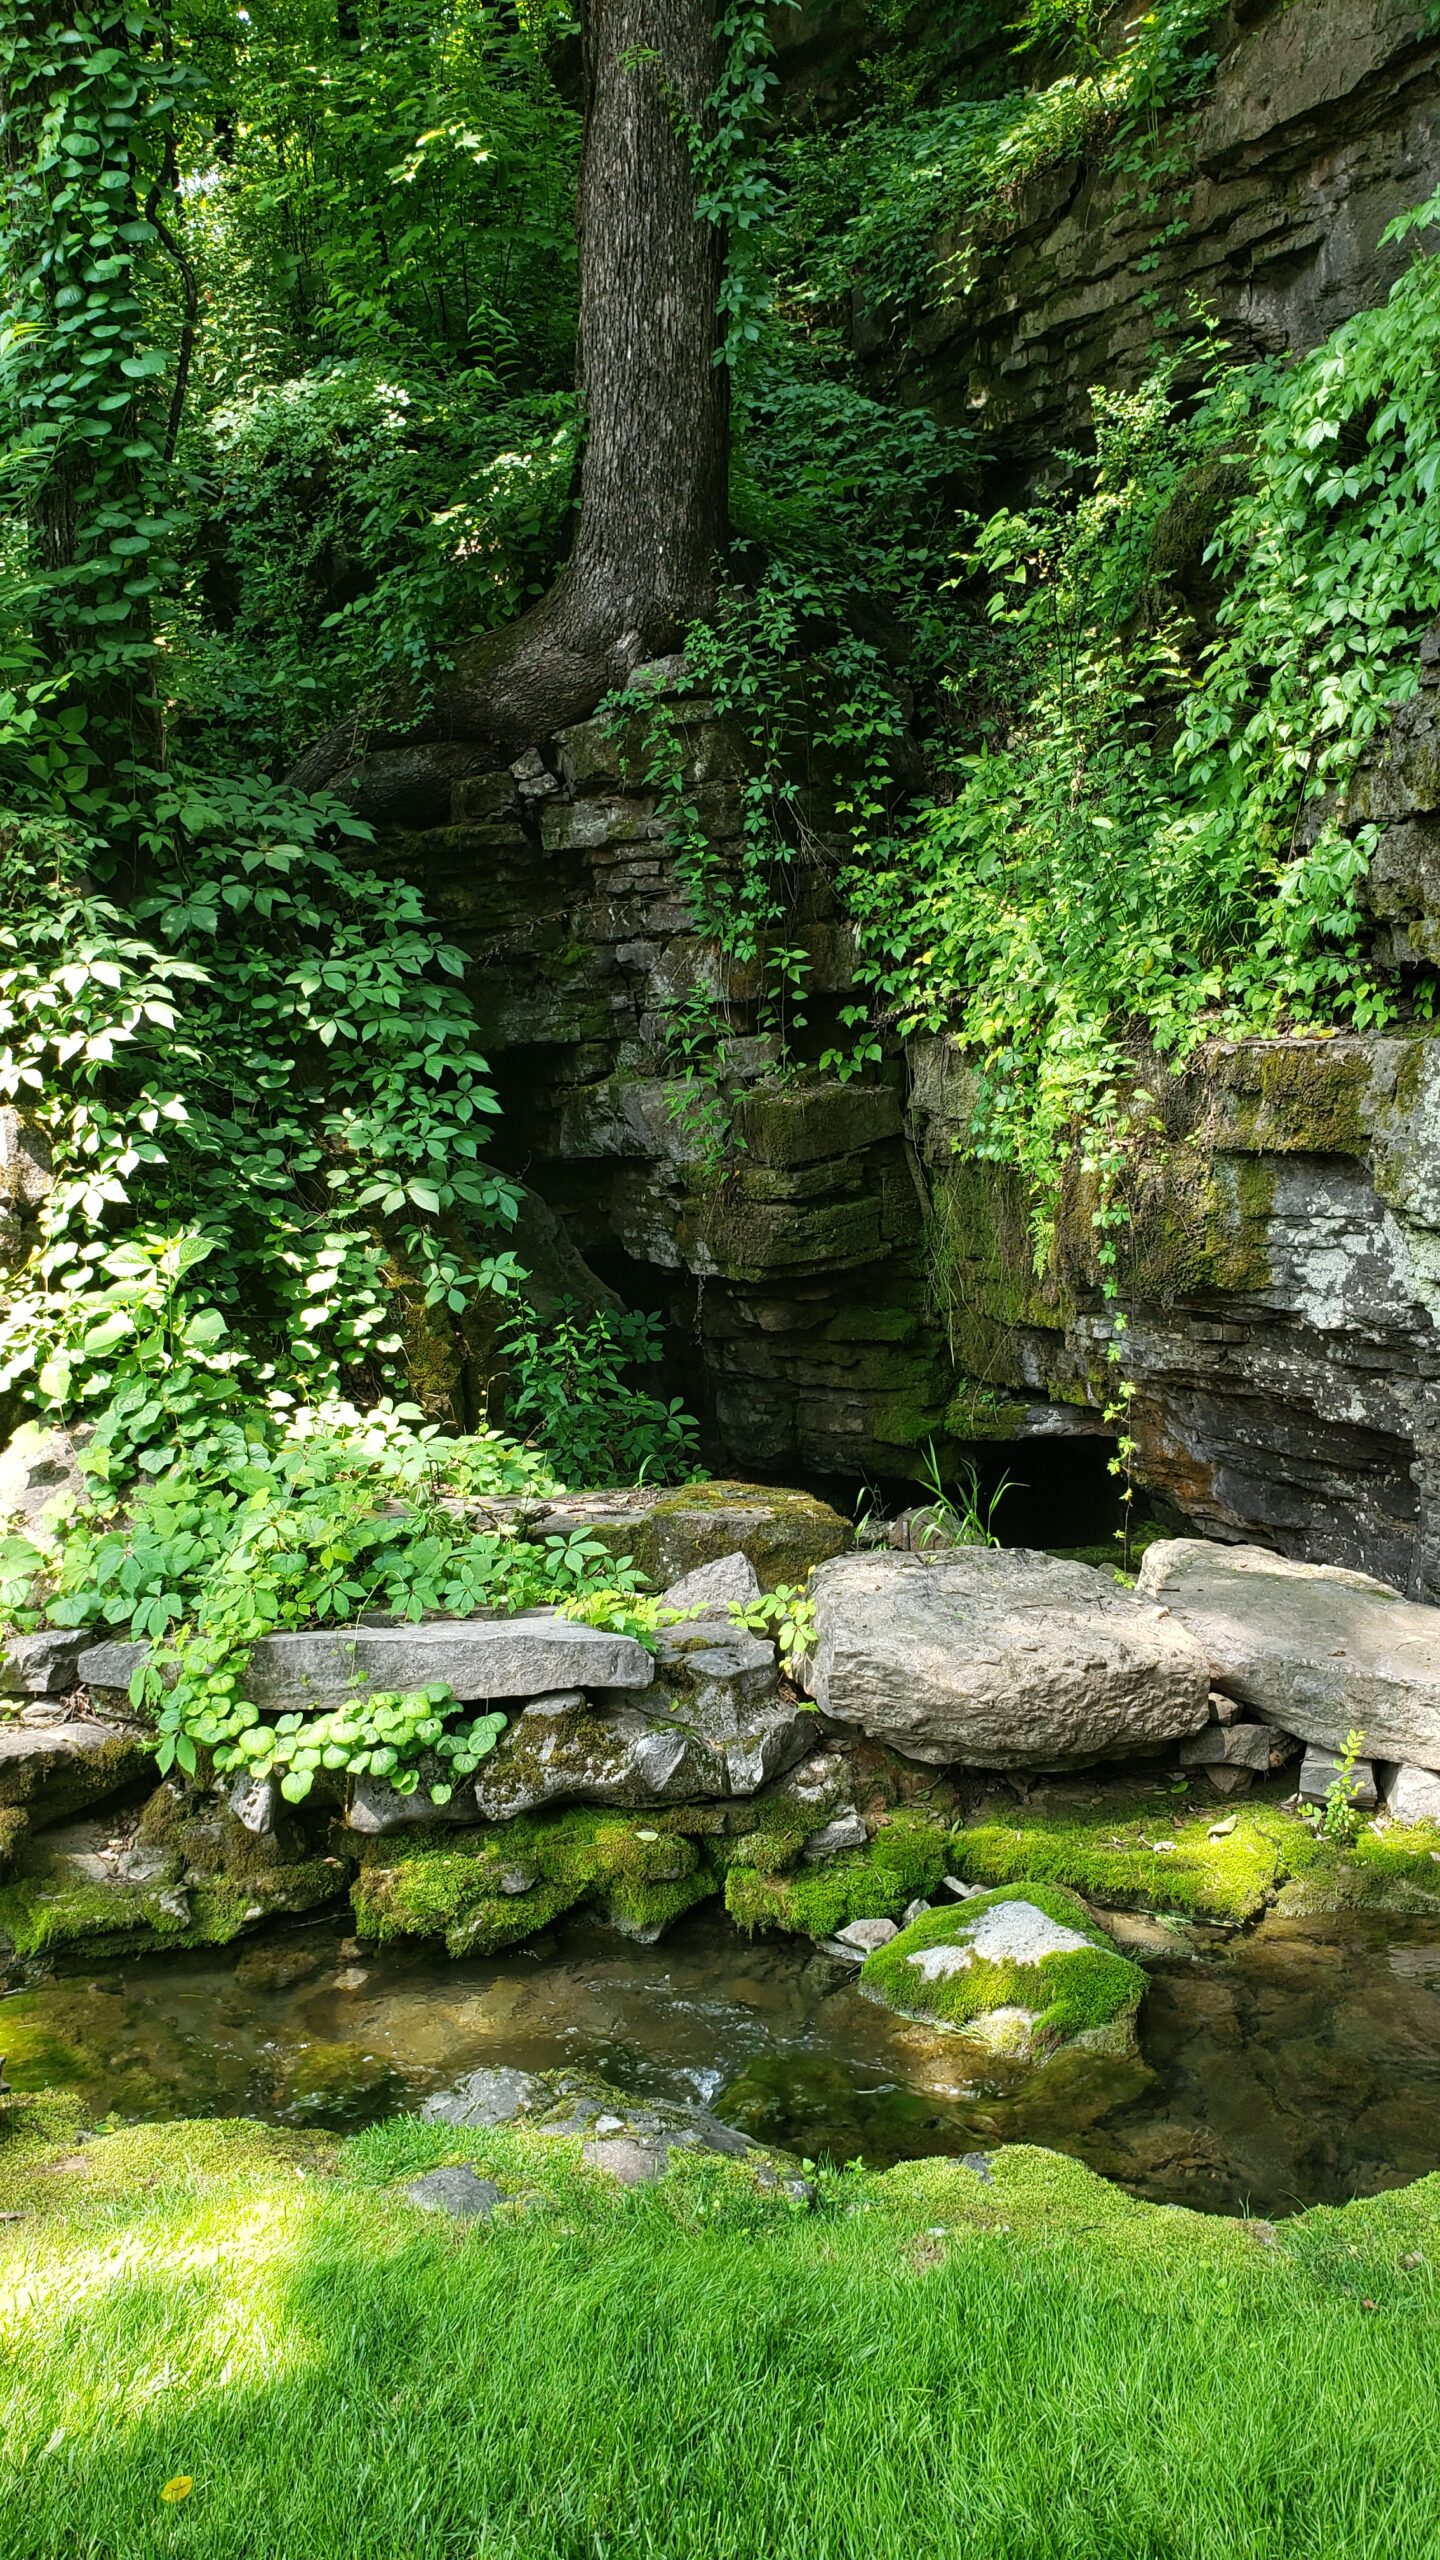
<point x="922" y="2367"/>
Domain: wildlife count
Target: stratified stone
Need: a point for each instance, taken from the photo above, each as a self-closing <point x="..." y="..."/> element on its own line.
<point x="475" y="1658"/>
<point x="54" y="1770"/>
<point x="1000" y="1658"/>
<point x="42" y="1665"/>
<point x="1320" y="1771"/>
<point x="1316" y="1649"/>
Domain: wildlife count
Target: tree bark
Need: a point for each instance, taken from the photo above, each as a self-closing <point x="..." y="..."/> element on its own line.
<point x="653" y="482"/>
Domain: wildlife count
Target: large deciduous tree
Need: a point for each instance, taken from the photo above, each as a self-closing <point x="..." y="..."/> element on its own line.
<point x="653" y="473"/>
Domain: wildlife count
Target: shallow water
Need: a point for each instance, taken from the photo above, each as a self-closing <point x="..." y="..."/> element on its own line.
<point x="1294" y="2064"/>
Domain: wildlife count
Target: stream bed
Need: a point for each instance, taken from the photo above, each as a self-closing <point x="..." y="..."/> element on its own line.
<point x="1293" y="2064"/>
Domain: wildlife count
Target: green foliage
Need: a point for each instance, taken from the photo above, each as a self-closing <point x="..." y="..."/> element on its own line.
<point x="340" y="1516"/>
<point x="787" y="1613"/>
<point x="1339" y="1817"/>
<point x="959" y="1515"/>
<point x="571" y="1382"/>
<point x="906" y="206"/>
<point x="265" y="1111"/>
<point x="1137" y="843"/>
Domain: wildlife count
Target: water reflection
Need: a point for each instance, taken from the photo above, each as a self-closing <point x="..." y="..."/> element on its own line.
<point x="1299" y="2063"/>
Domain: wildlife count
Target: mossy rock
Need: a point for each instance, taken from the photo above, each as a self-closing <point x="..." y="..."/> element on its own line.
<point x="783" y="1532"/>
<point x="1024" y="1971"/>
<point x="1123" y="1851"/>
<point x="905" y="1860"/>
<point x="492" y="1888"/>
<point x="14" y="1824"/>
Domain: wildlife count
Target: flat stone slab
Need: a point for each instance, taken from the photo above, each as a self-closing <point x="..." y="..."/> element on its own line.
<point x="1001" y="1658"/>
<point x="1315" y="1649"/>
<point x="476" y="1659"/>
<point x="1319" y="1771"/>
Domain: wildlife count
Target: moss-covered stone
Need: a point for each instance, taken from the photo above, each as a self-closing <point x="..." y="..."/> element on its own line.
<point x="1294" y="1096"/>
<point x="939" y="1969"/>
<point x="483" y="1890"/>
<point x="13" y="1826"/>
<point x="53" y="1781"/>
<point x="1124" y="1851"/>
<point x="906" y="1858"/>
<point x="783" y="1532"/>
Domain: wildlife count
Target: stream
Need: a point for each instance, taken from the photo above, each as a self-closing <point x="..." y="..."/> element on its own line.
<point x="1293" y="2064"/>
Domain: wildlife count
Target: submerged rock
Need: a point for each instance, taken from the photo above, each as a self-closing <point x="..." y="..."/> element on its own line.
<point x="1022" y="1971"/>
<point x="1314" y="1648"/>
<point x="1001" y="1658"/>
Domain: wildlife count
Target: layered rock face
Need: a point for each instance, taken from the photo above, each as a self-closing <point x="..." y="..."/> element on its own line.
<point x="1322" y="123"/>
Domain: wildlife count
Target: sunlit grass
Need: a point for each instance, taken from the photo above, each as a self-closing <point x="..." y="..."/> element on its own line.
<point x="924" y="2366"/>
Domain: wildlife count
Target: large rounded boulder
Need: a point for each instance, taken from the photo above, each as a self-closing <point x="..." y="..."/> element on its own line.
<point x="1000" y="1658"/>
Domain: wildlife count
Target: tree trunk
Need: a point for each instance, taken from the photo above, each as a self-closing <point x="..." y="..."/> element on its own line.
<point x="654" y="470"/>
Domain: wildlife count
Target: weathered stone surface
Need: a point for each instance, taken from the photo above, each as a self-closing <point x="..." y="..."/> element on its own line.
<point x="493" y="2096"/>
<point x="714" y="1586"/>
<point x="476" y="1658"/>
<point x="866" y="1935"/>
<point x="1412" y="1795"/>
<point x="673" y="1533"/>
<point x="36" y="1467"/>
<point x="1000" y="1658"/>
<point x="1318" y="1650"/>
<point x="844" y="1831"/>
<point x="1238" y="1746"/>
<point x="455" y="2190"/>
<point x="42" y="1665"/>
<point x="1319" y="1771"/>
<point x="56" y="1769"/>
<point x="680" y="1750"/>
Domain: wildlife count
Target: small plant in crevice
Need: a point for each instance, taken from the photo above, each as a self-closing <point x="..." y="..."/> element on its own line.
<point x="572" y="1386"/>
<point x="958" y="1514"/>
<point x="1339" y="1818"/>
<point x="787" y="1614"/>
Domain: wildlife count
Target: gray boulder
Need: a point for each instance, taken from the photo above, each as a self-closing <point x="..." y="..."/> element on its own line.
<point x="475" y="1658"/>
<point x="1233" y="1746"/>
<point x="1313" y="1648"/>
<point x="844" y="1830"/>
<point x="1000" y="1657"/>
<point x="493" y="2096"/>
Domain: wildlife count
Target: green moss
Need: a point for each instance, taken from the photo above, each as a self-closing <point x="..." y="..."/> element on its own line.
<point x="873" y="1324"/>
<point x="1294" y="1096"/>
<point x="784" y="1533"/>
<point x="450" y="1885"/>
<point x="1075" y="1992"/>
<point x="1392" y="1870"/>
<point x="907" y="1857"/>
<point x="1107" y="1852"/>
<point x="981" y="1413"/>
<point x="64" y="1784"/>
<point x="14" y="1825"/>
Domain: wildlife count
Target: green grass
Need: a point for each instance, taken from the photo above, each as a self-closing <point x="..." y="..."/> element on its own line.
<point x="924" y="2368"/>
